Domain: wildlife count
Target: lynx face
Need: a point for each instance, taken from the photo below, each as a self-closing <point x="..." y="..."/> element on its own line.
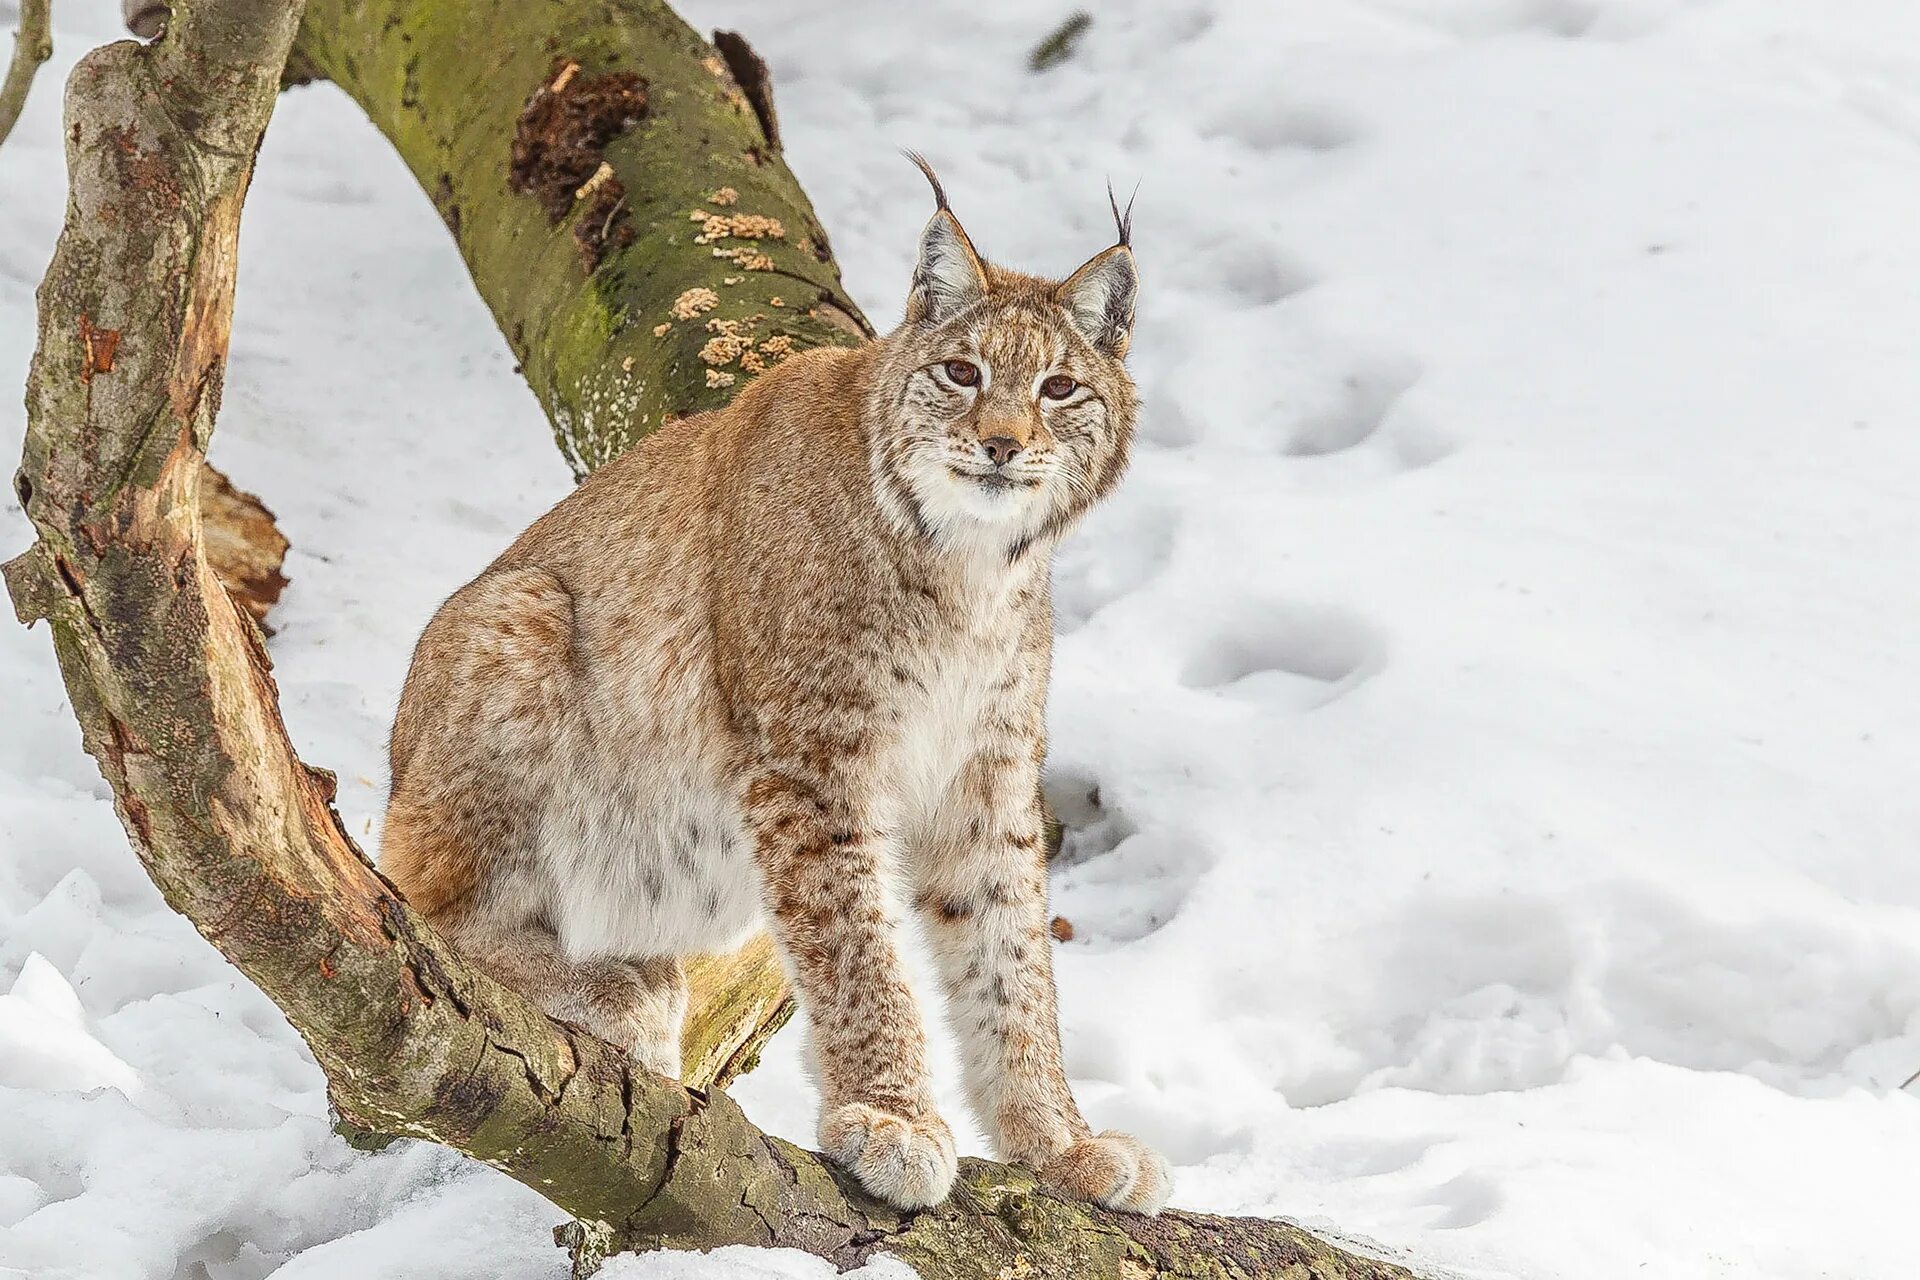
<point x="1006" y="405"/>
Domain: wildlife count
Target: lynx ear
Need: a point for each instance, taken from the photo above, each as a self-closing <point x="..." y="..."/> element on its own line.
<point x="1100" y="298"/>
<point x="949" y="276"/>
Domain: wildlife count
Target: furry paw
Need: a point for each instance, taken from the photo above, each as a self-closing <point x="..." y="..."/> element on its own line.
<point x="1115" y="1170"/>
<point x="907" y="1163"/>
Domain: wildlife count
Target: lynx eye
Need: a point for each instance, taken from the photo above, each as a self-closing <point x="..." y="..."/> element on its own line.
<point x="963" y="373"/>
<point x="1058" y="387"/>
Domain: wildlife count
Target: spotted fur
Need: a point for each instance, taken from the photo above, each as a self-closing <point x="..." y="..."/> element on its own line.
<point x="786" y="663"/>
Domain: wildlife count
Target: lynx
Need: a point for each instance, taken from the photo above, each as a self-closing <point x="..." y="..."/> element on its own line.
<point x="786" y="664"/>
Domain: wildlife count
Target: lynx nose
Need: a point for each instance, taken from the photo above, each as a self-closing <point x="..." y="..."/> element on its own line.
<point x="1001" y="449"/>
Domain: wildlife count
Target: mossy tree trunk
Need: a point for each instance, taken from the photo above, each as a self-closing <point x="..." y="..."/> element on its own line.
<point x="172" y="686"/>
<point x="612" y="288"/>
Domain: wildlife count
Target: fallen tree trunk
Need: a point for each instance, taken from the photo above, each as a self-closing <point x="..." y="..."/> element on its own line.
<point x="172" y="687"/>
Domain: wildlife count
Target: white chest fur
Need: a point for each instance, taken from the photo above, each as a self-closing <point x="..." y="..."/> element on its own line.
<point x="939" y="727"/>
<point x="942" y="712"/>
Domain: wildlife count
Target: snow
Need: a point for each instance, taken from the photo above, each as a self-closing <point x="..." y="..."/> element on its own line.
<point x="1486" y="710"/>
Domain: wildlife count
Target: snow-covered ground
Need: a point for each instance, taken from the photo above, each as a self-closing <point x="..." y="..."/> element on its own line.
<point x="1488" y="707"/>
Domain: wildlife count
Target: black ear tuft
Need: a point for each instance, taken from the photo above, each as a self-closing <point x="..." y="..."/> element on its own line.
<point x="1123" y="222"/>
<point x="933" y="179"/>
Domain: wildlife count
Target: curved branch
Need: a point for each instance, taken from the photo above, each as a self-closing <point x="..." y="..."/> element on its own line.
<point x="174" y="692"/>
<point x="32" y="45"/>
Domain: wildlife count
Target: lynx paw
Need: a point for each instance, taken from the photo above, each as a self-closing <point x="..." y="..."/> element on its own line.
<point x="1115" y="1170"/>
<point x="907" y="1163"/>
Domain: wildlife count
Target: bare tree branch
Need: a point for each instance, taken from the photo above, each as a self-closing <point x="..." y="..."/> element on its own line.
<point x="32" y="45"/>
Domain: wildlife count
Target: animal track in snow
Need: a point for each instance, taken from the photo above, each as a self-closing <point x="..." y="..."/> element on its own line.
<point x="1115" y="559"/>
<point x="1358" y="408"/>
<point x="1091" y="829"/>
<point x="1115" y="881"/>
<point x="1501" y="994"/>
<point x="1300" y="656"/>
<point x="1251" y="271"/>
<point x="1132" y="891"/>
<point x="1364" y="406"/>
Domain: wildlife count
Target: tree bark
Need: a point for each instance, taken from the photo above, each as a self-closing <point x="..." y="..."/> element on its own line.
<point x="172" y="685"/>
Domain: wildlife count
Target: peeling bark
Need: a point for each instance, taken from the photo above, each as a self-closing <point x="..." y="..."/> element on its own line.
<point x="244" y="546"/>
<point x="174" y="693"/>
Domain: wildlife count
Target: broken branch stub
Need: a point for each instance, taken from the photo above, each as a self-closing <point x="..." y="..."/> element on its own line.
<point x="244" y="546"/>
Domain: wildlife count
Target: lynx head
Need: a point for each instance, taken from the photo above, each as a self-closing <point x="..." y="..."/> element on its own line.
<point x="1003" y="408"/>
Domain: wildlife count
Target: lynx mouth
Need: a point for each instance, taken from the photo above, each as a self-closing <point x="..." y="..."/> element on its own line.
<point x="994" y="481"/>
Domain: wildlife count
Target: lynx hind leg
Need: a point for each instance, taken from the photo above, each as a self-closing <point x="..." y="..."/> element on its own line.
<point x="638" y="1004"/>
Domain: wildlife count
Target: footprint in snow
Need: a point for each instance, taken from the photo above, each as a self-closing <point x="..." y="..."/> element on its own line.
<point x="1113" y="880"/>
<point x="1248" y="270"/>
<point x="1366" y="404"/>
<point x="1113" y="561"/>
<point x="1092" y="829"/>
<point x="1356" y="408"/>
<point x="1298" y="656"/>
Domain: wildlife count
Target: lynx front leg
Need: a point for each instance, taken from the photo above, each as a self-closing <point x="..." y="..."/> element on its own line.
<point x="983" y="894"/>
<point x="824" y="864"/>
